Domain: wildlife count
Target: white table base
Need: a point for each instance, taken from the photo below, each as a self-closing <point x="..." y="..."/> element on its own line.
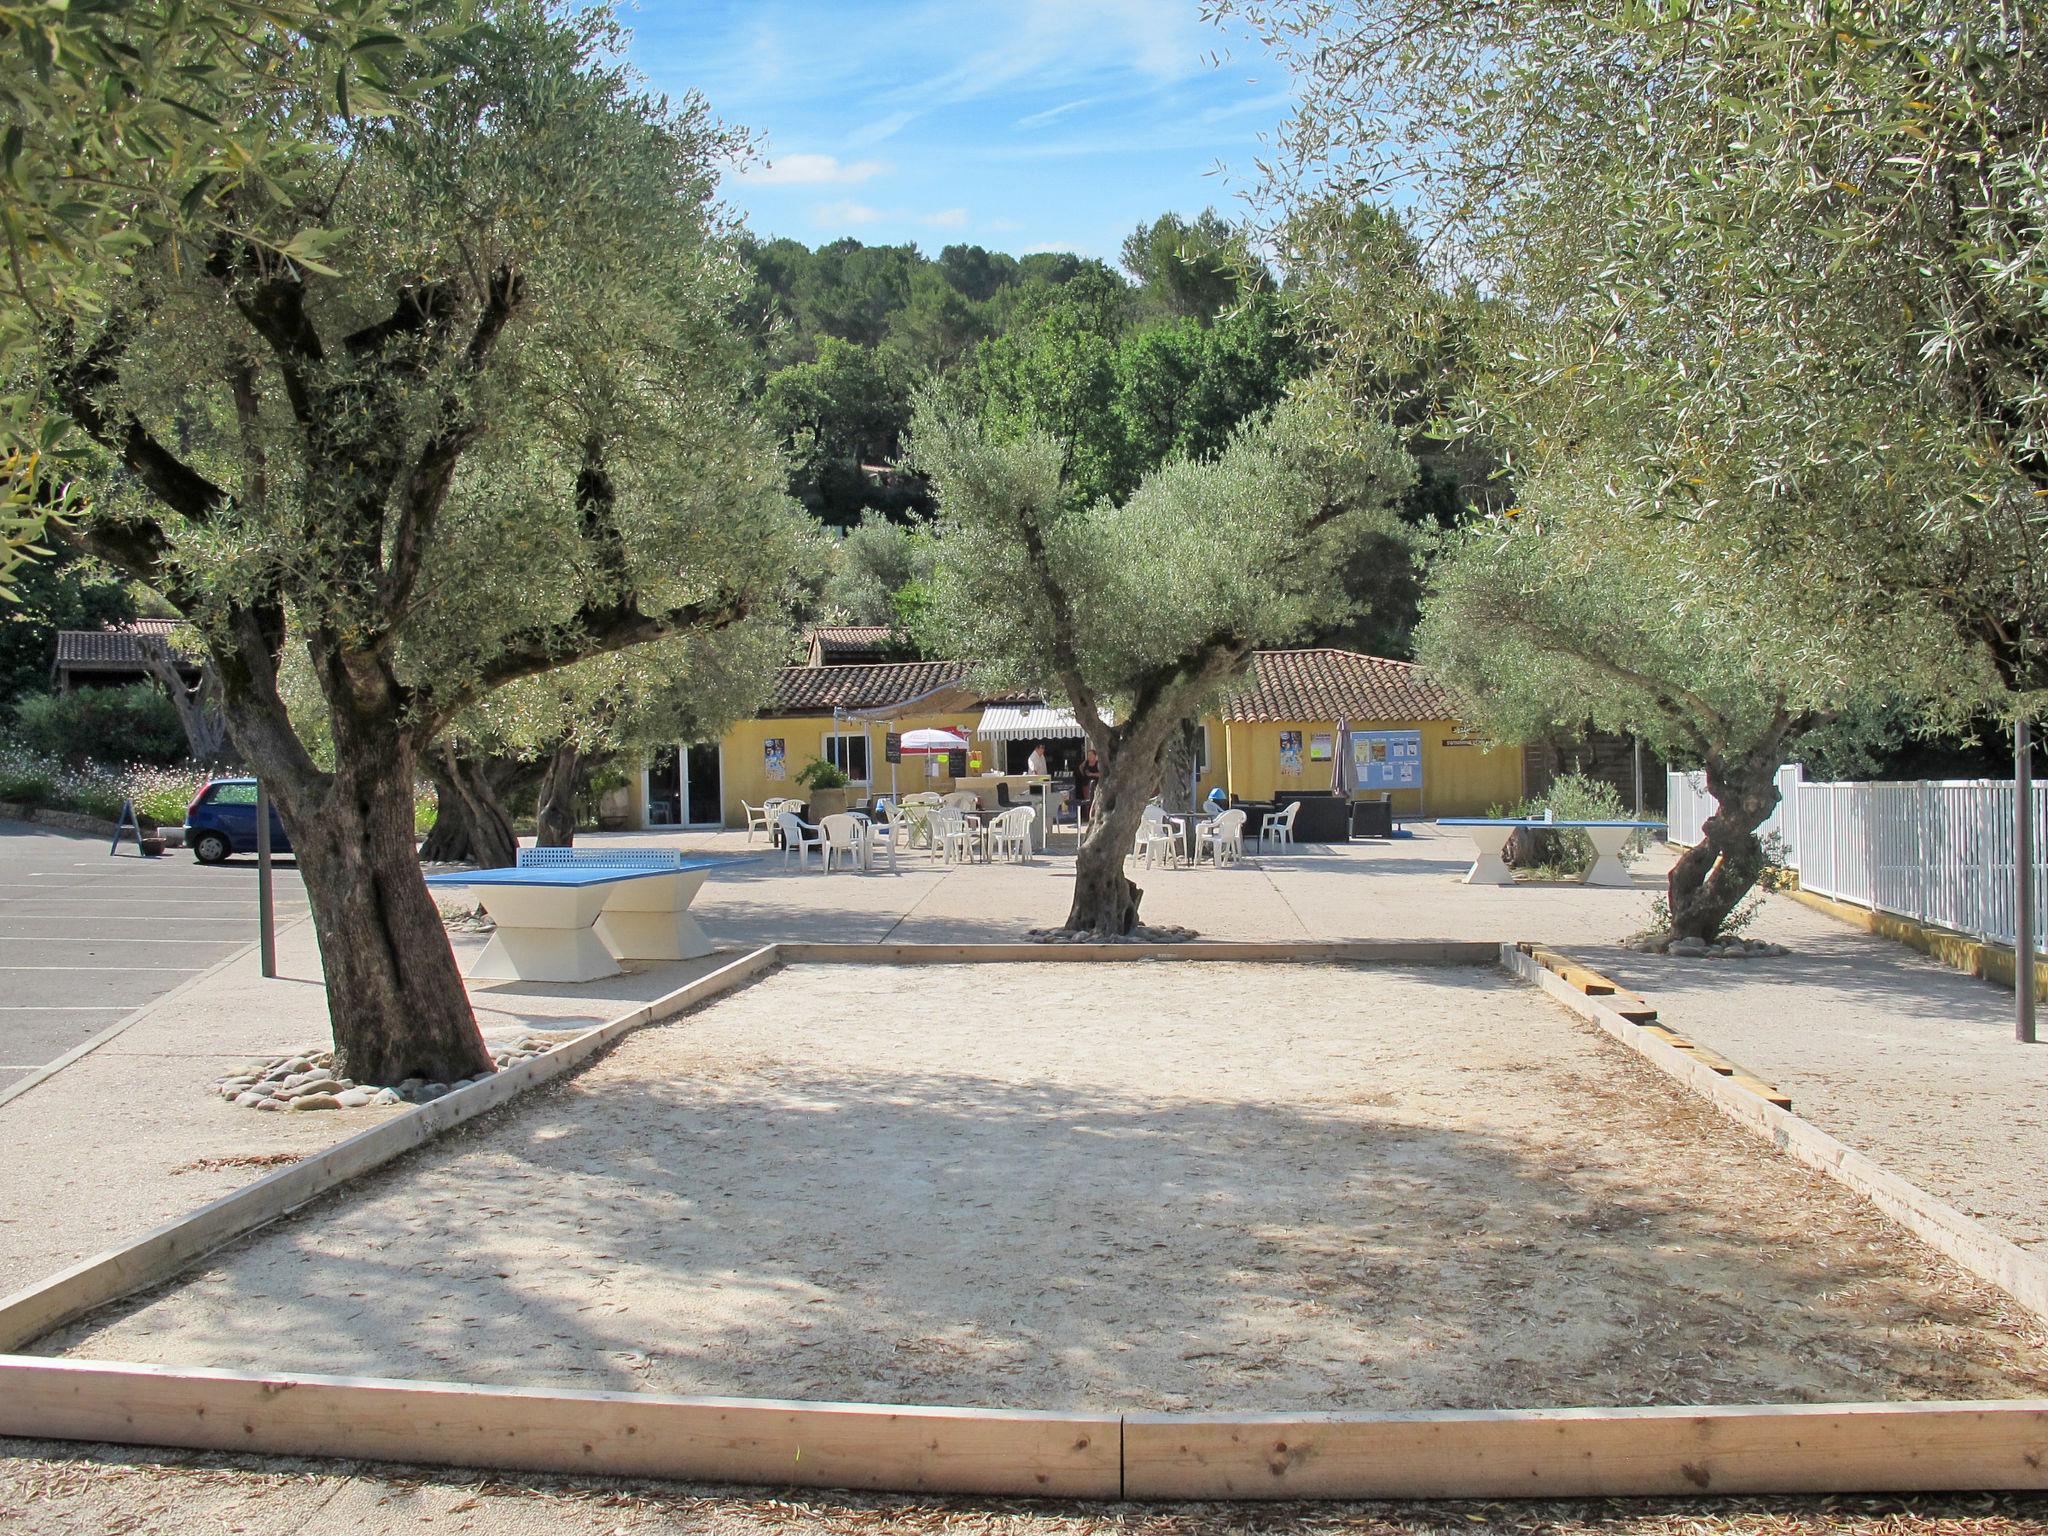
<point x="1488" y="867"/>
<point x="544" y="934"/>
<point x="1608" y="843"/>
<point x="650" y="919"/>
<point x="580" y="933"/>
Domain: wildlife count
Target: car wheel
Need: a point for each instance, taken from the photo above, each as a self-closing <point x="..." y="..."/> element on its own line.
<point x="210" y="848"/>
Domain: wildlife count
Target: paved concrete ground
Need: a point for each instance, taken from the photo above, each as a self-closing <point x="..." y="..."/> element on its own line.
<point x="1902" y="1058"/>
<point x="87" y="938"/>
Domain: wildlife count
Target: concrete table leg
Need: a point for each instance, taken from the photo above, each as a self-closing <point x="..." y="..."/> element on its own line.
<point x="544" y="934"/>
<point x="1608" y="843"/>
<point x="1488" y="867"/>
<point x="650" y="920"/>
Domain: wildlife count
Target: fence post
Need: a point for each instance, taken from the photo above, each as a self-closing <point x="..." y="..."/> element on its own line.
<point x="2023" y="888"/>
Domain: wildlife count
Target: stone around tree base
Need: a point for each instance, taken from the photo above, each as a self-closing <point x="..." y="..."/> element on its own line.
<point x="1699" y="949"/>
<point x="1164" y="934"/>
<point x="305" y="1081"/>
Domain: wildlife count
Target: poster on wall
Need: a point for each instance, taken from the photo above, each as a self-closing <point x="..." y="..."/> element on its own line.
<point x="1290" y="754"/>
<point x="1321" y="746"/>
<point x="1387" y="759"/>
<point x="774" y="758"/>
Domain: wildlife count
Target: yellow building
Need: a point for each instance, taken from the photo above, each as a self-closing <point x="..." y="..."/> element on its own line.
<point x="1282" y="733"/>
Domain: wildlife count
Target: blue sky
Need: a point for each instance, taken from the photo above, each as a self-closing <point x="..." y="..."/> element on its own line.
<point x="1033" y="125"/>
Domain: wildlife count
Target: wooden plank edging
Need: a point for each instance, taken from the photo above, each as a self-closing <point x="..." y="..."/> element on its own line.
<point x="1937" y="1223"/>
<point x="613" y="1434"/>
<point x="1590" y="1452"/>
<point x="1367" y="951"/>
<point x="159" y="1254"/>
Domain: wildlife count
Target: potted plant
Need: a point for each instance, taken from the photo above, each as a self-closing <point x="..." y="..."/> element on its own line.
<point x="827" y="783"/>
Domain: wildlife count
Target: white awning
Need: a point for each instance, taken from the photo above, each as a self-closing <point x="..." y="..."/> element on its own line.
<point x="1026" y="722"/>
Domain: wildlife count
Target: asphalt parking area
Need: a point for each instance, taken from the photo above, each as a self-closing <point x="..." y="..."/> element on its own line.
<point x="87" y="938"/>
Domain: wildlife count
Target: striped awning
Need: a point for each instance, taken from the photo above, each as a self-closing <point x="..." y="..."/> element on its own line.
<point x="1026" y="722"/>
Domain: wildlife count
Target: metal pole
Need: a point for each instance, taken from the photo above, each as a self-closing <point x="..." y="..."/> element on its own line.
<point x="266" y="907"/>
<point x="1639" y="779"/>
<point x="2023" y="892"/>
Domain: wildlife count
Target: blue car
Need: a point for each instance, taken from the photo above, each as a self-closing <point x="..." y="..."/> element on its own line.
<point x="221" y="820"/>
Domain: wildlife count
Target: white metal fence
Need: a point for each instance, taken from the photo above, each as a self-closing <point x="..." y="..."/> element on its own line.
<point x="1935" y="851"/>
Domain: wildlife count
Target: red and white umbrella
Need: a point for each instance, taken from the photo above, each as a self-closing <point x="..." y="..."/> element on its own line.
<point x="931" y="743"/>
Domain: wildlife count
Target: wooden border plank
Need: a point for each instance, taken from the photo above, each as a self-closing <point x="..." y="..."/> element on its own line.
<point x="1590" y="1452"/>
<point x="612" y="1434"/>
<point x="159" y="1254"/>
<point x="1969" y="1242"/>
<point x="1365" y="951"/>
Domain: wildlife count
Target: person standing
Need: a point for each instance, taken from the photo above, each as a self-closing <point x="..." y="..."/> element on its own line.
<point x="1036" y="765"/>
<point x="1085" y="779"/>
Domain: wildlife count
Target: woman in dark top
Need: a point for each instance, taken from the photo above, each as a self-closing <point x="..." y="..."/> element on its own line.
<point x="1085" y="779"/>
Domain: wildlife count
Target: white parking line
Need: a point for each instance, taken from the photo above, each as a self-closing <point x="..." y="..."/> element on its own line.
<point x="39" y="938"/>
<point x="62" y="1007"/>
<point x="149" y="970"/>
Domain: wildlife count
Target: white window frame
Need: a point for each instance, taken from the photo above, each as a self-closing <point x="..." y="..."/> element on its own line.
<point x="827" y="751"/>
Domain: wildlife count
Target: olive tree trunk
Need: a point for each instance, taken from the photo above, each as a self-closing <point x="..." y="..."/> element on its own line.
<point x="397" y="1001"/>
<point x="555" y="812"/>
<point x="471" y="824"/>
<point x="1105" y="898"/>
<point x="1712" y="877"/>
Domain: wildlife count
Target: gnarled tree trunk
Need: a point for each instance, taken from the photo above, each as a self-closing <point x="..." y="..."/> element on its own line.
<point x="382" y="944"/>
<point x="554" y="818"/>
<point x="471" y="824"/>
<point x="198" y="705"/>
<point x="1710" y="878"/>
<point x="1106" y="899"/>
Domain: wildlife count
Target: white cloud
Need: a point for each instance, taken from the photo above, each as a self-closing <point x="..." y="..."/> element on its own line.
<point x="946" y="218"/>
<point x="814" y="171"/>
<point x="1052" y="114"/>
<point x="845" y="213"/>
<point x="882" y="128"/>
<point x="1003" y="224"/>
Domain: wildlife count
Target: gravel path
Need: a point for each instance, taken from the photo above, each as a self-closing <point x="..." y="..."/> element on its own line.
<point x="1147" y="1186"/>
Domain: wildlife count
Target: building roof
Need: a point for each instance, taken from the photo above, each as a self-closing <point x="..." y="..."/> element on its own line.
<point x="1334" y="685"/>
<point x="114" y="650"/>
<point x="841" y="644"/>
<point x="861" y="685"/>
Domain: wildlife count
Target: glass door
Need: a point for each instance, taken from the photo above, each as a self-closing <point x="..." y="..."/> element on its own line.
<point x="665" y="789"/>
<point x="704" y="793"/>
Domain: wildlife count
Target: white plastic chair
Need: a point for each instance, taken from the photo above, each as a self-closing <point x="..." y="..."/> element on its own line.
<point x="1010" y="833"/>
<point x="1278" y="827"/>
<point x="1156" y="838"/>
<point x="956" y="838"/>
<point x="844" y="834"/>
<point x="963" y="800"/>
<point x="757" y="818"/>
<point x="799" y="837"/>
<point x="1223" y="835"/>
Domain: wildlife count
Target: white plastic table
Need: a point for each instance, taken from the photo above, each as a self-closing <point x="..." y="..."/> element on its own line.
<point x="575" y="922"/>
<point x="1608" y="839"/>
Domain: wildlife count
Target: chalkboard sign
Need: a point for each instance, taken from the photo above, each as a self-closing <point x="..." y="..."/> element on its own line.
<point x="892" y="747"/>
<point x="956" y="763"/>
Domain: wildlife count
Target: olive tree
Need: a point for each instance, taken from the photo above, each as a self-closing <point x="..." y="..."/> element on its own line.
<point x="467" y="416"/>
<point x="1577" y="607"/>
<point x="1765" y="240"/>
<point x="1141" y="612"/>
<point x="126" y="123"/>
<point x="620" y="708"/>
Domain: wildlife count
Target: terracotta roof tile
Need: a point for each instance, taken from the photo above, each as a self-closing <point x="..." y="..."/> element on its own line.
<point x="122" y="647"/>
<point x="1335" y="685"/>
<point x="863" y="685"/>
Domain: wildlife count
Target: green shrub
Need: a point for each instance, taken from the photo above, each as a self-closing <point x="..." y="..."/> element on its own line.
<point x="820" y="774"/>
<point x="135" y="724"/>
<point x="1575" y="797"/>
